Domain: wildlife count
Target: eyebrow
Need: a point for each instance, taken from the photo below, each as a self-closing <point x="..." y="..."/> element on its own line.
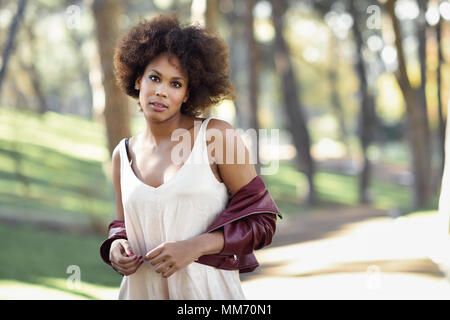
<point x="159" y="74"/>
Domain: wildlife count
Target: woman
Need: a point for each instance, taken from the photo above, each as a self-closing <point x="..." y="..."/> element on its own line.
<point x="184" y="229"/>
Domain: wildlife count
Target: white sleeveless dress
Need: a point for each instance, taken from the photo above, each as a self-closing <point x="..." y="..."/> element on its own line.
<point x="180" y="208"/>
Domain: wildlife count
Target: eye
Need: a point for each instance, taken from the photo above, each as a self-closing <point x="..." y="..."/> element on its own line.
<point x="153" y="77"/>
<point x="177" y="84"/>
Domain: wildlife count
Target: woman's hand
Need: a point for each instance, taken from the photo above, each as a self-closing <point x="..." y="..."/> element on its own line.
<point x="169" y="257"/>
<point x="122" y="258"/>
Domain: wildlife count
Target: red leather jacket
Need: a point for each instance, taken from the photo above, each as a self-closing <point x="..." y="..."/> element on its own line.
<point x="248" y="223"/>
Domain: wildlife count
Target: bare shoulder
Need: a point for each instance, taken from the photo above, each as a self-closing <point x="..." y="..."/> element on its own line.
<point x="227" y="141"/>
<point x="231" y="155"/>
<point x="222" y="133"/>
<point x="219" y="124"/>
<point x="116" y="154"/>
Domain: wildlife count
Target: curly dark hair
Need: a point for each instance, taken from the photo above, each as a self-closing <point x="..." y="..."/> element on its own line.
<point x="202" y="54"/>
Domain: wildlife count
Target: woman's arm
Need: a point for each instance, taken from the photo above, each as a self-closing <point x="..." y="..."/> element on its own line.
<point x="116" y="250"/>
<point x="208" y="243"/>
<point x="252" y="232"/>
<point x="235" y="174"/>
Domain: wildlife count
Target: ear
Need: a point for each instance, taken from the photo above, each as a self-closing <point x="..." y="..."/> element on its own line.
<point x="137" y="83"/>
<point x="186" y="96"/>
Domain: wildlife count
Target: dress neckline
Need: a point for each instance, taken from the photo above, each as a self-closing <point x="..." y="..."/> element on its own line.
<point x="177" y="173"/>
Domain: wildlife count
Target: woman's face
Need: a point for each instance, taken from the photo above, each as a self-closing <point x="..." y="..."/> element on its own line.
<point x="162" y="88"/>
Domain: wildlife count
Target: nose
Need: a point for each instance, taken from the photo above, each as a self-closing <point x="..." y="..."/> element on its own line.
<point x="160" y="91"/>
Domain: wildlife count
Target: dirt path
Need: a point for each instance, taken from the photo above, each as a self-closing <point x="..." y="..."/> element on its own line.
<point x="353" y="253"/>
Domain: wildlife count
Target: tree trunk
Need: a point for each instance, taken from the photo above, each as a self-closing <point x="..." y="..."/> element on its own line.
<point x="442" y="123"/>
<point x="367" y="117"/>
<point x="252" y="77"/>
<point x="294" y="110"/>
<point x="32" y="70"/>
<point x="116" y="112"/>
<point x="84" y="70"/>
<point x="335" y="101"/>
<point x="9" y="47"/>
<point x="212" y="14"/>
<point x="418" y="129"/>
<point x="236" y="62"/>
<point x="421" y="35"/>
<point x="444" y="198"/>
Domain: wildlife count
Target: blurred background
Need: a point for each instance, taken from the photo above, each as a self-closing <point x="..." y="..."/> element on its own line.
<point x="358" y="90"/>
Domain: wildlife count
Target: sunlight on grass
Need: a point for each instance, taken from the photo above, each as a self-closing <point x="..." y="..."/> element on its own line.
<point x="64" y="133"/>
<point x="54" y="289"/>
<point x="337" y="188"/>
<point x="16" y="290"/>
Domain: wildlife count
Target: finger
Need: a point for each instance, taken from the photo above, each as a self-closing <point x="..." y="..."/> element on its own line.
<point x="129" y="269"/>
<point x="163" y="266"/>
<point x="126" y="246"/>
<point x="129" y="263"/>
<point x="158" y="259"/>
<point x="133" y="269"/>
<point x="169" y="271"/>
<point x="126" y="260"/>
<point x="117" y="268"/>
<point x="153" y="253"/>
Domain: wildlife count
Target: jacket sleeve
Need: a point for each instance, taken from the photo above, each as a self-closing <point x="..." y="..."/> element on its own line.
<point x="250" y="233"/>
<point x="116" y="230"/>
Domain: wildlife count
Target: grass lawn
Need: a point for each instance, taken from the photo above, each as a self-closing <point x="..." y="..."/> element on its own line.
<point x="33" y="260"/>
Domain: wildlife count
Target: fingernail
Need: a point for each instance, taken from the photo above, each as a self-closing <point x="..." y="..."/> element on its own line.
<point x="132" y="253"/>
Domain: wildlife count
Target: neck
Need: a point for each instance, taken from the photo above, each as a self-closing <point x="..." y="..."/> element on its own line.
<point x="158" y="132"/>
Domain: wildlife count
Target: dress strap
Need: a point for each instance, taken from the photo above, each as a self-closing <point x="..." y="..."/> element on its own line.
<point x="199" y="149"/>
<point x="203" y="142"/>
<point x="123" y="154"/>
<point x="127" y="145"/>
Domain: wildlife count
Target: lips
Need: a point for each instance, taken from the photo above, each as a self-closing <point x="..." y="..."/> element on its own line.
<point x="158" y="105"/>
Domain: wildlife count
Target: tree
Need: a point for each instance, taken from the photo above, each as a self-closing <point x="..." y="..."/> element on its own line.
<point x="116" y="112"/>
<point x="444" y="203"/>
<point x="237" y="60"/>
<point x="252" y="75"/>
<point x="442" y="122"/>
<point x="418" y="129"/>
<point x="32" y="69"/>
<point x="367" y="120"/>
<point x="211" y="14"/>
<point x="9" y="47"/>
<point x="293" y="108"/>
<point x="335" y="101"/>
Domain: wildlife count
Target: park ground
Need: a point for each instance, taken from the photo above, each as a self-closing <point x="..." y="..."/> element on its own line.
<point x="354" y="253"/>
<point x="351" y="253"/>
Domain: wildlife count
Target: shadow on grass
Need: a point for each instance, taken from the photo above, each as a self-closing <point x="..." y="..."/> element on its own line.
<point x="30" y="255"/>
<point x="40" y="179"/>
